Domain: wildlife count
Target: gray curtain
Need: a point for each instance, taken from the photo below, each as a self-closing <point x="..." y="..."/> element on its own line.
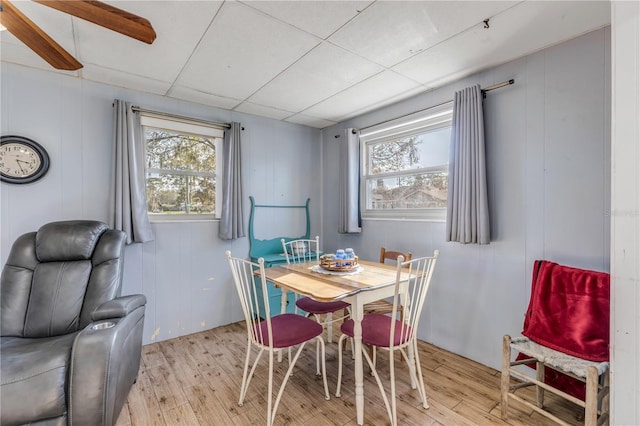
<point x="467" y="204"/>
<point x="232" y="216"/>
<point x="128" y="189"/>
<point x="349" y="182"/>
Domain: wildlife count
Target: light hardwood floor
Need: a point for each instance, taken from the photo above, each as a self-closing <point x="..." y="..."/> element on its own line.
<point x="195" y="380"/>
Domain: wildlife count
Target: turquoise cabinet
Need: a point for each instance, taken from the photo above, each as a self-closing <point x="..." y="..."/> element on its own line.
<point x="271" y="251"/>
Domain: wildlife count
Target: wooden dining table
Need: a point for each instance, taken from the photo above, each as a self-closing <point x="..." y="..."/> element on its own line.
<point x="374" y="282"/>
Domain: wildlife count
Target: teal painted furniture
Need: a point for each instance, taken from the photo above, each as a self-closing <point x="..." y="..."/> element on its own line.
<point x="271" y="251"/>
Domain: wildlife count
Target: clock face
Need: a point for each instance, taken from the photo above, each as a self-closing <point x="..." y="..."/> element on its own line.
<point x="22" y="160"/>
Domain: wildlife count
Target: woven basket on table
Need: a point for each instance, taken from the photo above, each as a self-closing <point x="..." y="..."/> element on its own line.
<point x="340" y="265"/>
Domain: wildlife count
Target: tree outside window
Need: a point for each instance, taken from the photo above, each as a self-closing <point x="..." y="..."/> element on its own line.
<point x="405" y="166"/>
<point x="181" y="173"/>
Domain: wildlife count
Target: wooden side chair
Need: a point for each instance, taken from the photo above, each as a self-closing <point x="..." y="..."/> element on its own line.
<point x="271" y="334"/>
<point x="394" y="334"/>
<point x="384" y="306"/>
<point x="565" y="337"/>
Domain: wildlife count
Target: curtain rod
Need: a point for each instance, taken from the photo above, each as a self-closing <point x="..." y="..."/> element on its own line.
<point x="484" y="91"/>
<point x="135" y="108"/>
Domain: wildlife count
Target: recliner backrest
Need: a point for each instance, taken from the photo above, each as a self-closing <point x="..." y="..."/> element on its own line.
<point x="55" y="278"/>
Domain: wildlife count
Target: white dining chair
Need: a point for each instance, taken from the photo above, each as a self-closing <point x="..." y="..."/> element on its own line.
<point x="272" y="334"/>
<point x="394" y="334"/>
<point x="302" y="251"/>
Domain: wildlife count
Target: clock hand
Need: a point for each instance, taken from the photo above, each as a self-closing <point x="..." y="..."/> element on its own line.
<point x="20" y="165"/>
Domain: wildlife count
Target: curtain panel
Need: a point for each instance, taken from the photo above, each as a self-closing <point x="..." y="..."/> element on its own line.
<point x="467" y="202"/>
<point x="128" y="188"/>
<point x="232" y="215"/>
<point x="349" y="182"/>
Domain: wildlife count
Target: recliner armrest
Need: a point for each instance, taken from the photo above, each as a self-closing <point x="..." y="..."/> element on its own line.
<point x="105" y="359"/>
<point x="119" y="307"/>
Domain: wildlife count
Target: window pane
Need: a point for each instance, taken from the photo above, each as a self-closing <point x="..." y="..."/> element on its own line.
<point x="168" y="150"/>
<point x="179" y="194"/>
<point x="417" y="191"/>
<point x="414" y="152"/>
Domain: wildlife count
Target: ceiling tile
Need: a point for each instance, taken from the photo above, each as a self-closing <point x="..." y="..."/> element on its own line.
<point x="306" y="120"/>
<point x="320" y="18"/>
<point x="162" y="60"/>
<point x="269" y="58"/>
<point x="391" y="31"/>
<point x="123" y="79"/>
<point x="367" y="95"/>
<point x="242" y="51"/>
<point x="323" y="72"/>
<point x="528" y="28"/>
<point x="197" y="96"/>
<point x="263" y="111"/>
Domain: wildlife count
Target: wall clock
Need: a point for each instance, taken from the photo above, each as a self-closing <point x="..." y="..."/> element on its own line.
<point x="22" y="160"/>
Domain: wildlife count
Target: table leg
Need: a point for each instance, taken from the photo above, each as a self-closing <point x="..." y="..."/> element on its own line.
<point x="356" y="315"/>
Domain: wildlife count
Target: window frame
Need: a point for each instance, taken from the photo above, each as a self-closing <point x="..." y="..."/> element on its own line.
<point x="193" y="128"/>
<point x="418" y="123"/>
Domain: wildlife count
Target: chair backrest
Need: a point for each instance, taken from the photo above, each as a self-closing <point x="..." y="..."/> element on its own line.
<point x="56" y="277"/>
<point x="301" y="250"/>
<point x="251" y="289"/>
<point x="411" y="293"/>
<point x="393" y="255"/>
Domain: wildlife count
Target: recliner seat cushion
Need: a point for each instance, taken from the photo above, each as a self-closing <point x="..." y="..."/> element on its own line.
<point x="34" y="378"/>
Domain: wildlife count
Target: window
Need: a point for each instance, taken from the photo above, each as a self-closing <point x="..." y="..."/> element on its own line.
<point x="405" y="166"/>
<point x="182" y="165"/>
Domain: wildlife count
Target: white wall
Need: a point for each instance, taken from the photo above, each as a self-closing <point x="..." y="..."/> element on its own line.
<point x="548" y="155"/>
<point x="625" y="218"/>
<point x="183" y="273"/>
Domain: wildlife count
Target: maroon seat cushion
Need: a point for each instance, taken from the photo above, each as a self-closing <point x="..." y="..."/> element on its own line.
<point x="288" y="330"/>
<point x="307" y="304"/>
<point x="376" y="329"/>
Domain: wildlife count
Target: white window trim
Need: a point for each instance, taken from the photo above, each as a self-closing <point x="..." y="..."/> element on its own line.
<point x="197" y="129"/>
<point x="417" y="123"/>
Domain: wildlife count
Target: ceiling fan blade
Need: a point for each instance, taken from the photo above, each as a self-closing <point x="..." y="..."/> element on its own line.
<point x="106" y="16"/>
<point x="37" y="40"/>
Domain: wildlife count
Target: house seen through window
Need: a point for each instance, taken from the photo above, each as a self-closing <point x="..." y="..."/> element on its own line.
<point x="405" y="166"/>
<point x="182" y="169"/>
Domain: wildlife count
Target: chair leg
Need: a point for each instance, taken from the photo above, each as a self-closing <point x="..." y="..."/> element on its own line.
<point x="605" y="397"/>
<point x="380" y="386"/>
<point x="504" y="378"/>
<point x="340" y="341"/>
<point x="372" y="354"/>
<point x="271" y="414"/>
<point x="392" y="372"/>
<point x="540" y="378"/>
<point x="318" y="358"/>
<point x="421" y="388"/>
<point x="411" y="362"/>
<point x="591" y="398"/>
<point x="329" y="322"/>
<point x="270" y="390"/>
<point x="243" y="387"/>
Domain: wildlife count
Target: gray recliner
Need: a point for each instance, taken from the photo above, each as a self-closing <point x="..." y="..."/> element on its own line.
<point x="70" y="346"/>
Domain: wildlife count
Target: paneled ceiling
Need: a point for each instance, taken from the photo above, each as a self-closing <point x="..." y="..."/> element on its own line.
<point x="308" y="62"/>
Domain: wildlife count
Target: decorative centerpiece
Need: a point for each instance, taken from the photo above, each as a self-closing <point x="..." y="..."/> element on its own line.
<point x="341" y="261"/>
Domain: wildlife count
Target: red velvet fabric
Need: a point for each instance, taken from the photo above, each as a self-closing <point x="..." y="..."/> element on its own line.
<point x="376" y="329"/>
<point x="288" y="330"/>
<point x="569" y="312"/>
